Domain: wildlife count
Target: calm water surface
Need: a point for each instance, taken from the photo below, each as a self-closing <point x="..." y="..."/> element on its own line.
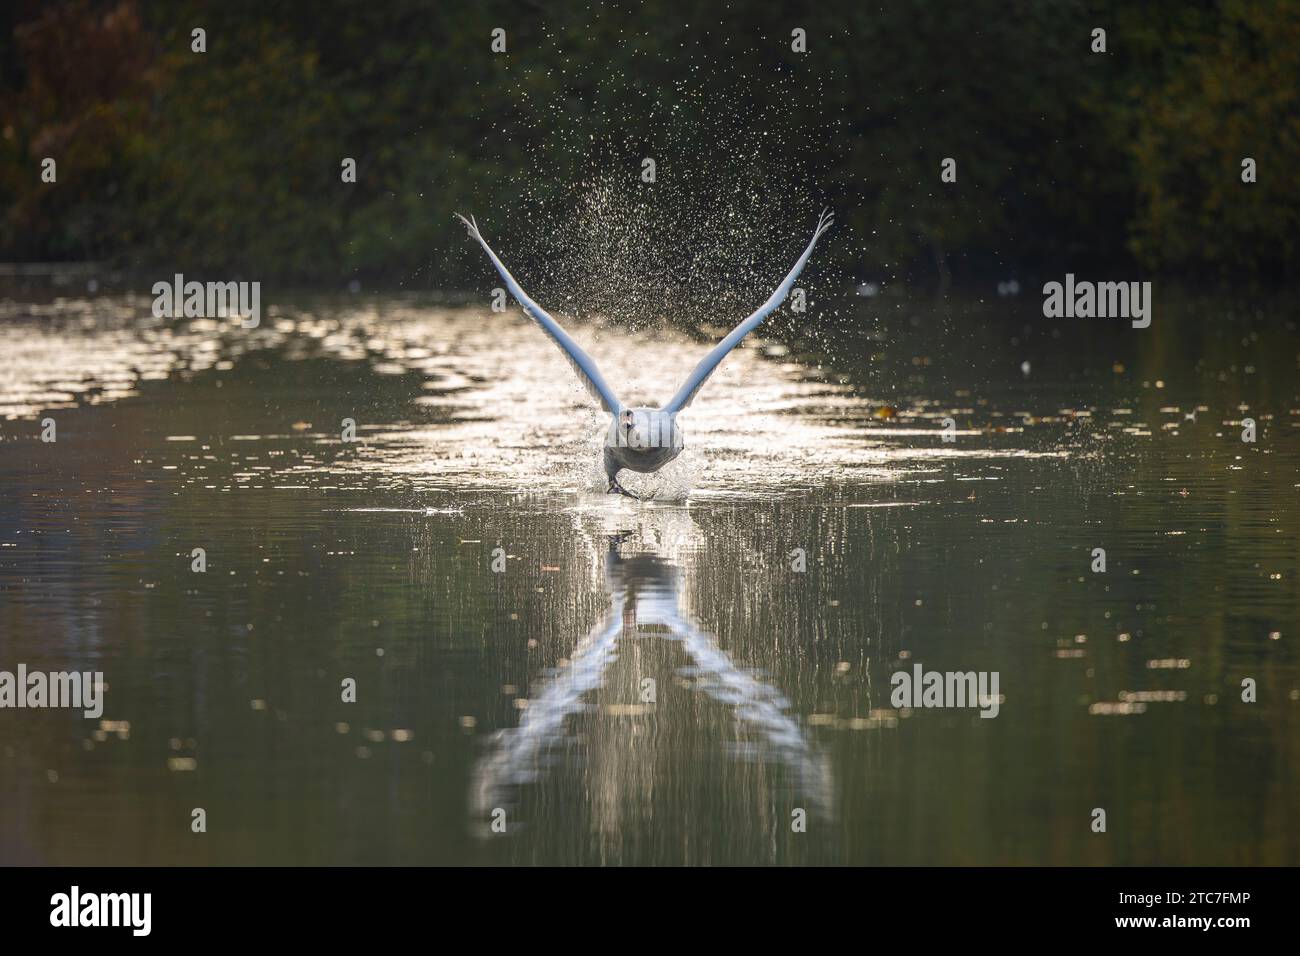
<point x="524" y="696"/>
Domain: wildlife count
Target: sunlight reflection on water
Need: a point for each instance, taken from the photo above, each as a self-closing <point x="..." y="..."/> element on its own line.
<point x="498" y="406"/>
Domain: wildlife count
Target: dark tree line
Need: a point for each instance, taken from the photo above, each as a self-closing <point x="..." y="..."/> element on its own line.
<point x="1066" y="158"/>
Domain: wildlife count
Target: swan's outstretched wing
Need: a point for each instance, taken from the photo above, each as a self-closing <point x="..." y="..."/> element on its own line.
<point x="715" y="357"/>
<point x="582" y="362"/>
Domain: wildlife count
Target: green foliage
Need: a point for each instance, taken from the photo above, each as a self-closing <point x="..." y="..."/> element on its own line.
<point x="1235" y="93"/>
<point x="85" y="77"/>
<point x="230" y="159"/>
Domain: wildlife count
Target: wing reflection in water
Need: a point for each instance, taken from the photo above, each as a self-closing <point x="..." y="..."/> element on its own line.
<point x="645" y="628"/>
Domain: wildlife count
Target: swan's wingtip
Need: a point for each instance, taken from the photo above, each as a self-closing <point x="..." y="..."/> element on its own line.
<point x="469" y="223"/>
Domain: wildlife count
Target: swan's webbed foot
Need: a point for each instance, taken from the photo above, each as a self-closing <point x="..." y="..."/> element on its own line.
<point x="616" y="489"/>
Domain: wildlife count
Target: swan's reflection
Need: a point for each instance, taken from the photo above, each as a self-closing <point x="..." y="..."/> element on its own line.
<point x="622" y="749"/>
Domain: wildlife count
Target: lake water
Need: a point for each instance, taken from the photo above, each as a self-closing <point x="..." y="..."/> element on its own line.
<point x="658" y="682"/>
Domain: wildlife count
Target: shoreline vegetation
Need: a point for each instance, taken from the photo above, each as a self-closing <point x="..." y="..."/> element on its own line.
<point x="83" y="278"/>
<point x="1123" y="164"/>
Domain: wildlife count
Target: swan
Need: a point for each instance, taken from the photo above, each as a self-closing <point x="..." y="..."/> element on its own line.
<point x="643" y="439"/>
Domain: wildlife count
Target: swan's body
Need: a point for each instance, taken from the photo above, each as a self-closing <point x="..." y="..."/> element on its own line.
<point x="643" y="439"/>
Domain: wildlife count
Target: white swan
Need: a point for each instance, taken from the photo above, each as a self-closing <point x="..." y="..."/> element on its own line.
<point x="643" y="439"/>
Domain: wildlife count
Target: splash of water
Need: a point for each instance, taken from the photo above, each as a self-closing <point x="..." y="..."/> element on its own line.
<point x="670" y="484"/>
